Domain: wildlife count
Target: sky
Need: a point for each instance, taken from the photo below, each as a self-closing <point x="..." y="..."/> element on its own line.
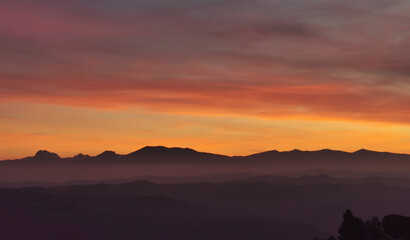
<point x="229" y="76"/>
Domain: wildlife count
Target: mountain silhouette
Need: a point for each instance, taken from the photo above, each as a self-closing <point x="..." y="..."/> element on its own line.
<point x="157" y="160"/>
<point x="41" y="157"/>
<point x="161" y="154"/>
<point x="80" y="157"/>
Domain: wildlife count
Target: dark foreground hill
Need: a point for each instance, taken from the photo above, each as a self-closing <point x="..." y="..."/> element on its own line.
<point x="317" y="205"/>
<point x="29" y="215"/>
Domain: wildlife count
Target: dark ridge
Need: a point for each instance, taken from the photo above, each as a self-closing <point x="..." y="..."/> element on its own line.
<point x="374" y="154"/>
<point x="162" y="150"/>
<point x="80" y="156"/>
<point x="364" y="151"/>
<point x="294" y="159"/>
<point x="161" y="154"/>
<point x="272" y="152"/>
<point x="107" y="154"/>
<point x="46" y="155"/>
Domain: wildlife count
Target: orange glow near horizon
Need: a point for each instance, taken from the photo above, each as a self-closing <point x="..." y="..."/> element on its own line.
<point x="70" y="130"/>
<point x="87" y="76"/>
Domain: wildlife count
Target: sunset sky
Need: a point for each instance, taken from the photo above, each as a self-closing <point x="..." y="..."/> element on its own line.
<point x="228" y="76"/>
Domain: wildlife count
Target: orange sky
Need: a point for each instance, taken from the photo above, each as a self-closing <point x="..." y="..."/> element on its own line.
<point x="231" y="77"/>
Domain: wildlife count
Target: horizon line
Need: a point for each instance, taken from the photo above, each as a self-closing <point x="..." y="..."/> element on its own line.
<point x="188" y="148"/>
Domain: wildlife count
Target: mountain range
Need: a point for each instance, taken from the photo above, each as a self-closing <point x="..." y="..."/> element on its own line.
<point x="148" y="154"/>
<point x="179" y="193"/>
<point x="185" y="162"/>
<point x="161" y="154"/>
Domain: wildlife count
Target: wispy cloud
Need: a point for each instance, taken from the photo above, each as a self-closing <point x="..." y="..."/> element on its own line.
<point x="273" y="59"/>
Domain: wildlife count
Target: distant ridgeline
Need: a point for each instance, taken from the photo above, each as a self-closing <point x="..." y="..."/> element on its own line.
<point x="162" y="155"/>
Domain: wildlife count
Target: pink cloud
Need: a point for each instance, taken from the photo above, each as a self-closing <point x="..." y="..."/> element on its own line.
<point x="323" y="60"/>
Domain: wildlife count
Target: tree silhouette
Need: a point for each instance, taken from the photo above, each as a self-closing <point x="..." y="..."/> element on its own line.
<point x="397" y="227"/>
<point x="374" y="230"/>
<point x="352" y="228"/>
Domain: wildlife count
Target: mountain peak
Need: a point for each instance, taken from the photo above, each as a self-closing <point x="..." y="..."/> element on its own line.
<point x="363" y="151"/>
<point x="326" y="150"/>
<point x="156" y="149"/>
<point x="295" y="151"/>
<point x="153" y="148"/>
<point x="107" y="154"/>
<point x="46" y="155"/>
<point x="80" y="156"/>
